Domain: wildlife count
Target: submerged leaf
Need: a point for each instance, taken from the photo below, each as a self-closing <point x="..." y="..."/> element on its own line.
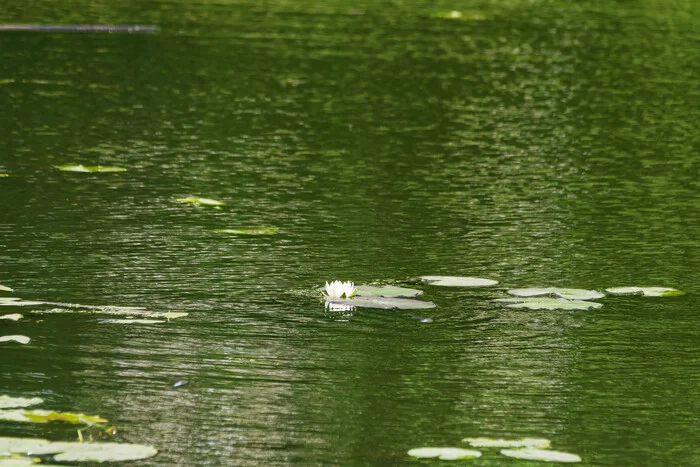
<point x="646" y="291"/>
<point x="455" y="281"/>
<point x="45" y="416"/>
<point x="544" y="455"/>
<point x="569" y="294"/>
<point x="546" y="303"/>
<point x="444" y="453"/>
<point x="7" y="402"/>
<point x="89" y="169"/>
<point x="386" y="303"/>
<point x="386" y="291"/>
<point x="12" y="317"/>
<point x="507" y="443"/>
<point x="15" y="338"/>
<point x="255" y="231"/>
<point x="196" y="201"/>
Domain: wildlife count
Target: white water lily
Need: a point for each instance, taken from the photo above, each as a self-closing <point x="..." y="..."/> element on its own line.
<point x="338" y="289"/>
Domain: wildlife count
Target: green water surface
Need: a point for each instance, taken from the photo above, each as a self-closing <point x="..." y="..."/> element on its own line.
<point x="549" y="143"/>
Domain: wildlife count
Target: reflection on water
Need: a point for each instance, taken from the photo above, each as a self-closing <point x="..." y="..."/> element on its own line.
<point x="549" y="145"/>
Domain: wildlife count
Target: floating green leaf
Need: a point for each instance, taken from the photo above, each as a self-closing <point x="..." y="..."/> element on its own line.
<point x="446" y="454"/>
<point x="89" y="169"/>
<point x="6" y="289"/>
<point x="256" y="231"/>
<point x="46" y="416"/>
<point x="386" y="303"/>
<point x="507" y="443"/>
<point x="646" y="291"/>
<point x="7" y="402"/>
<point x="12" y="317"/>
<point x="547" y="303"/>
<point x="454" y="281"/>
<point x="459" y="15"/>
<point x="4" y="174"/>
<point x="15" y="338"/>
<point x="133" y="321"/>
<point x="77" y="452"/>
<point x="569" y="294"/>
<point x="386" y="291"/>
<point x="196" y="201"/>
<point x="544" y="455"/>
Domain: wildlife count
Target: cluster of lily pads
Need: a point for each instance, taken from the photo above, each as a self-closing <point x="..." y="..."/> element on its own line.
<point x="531" y="449"/>
<point x="191" y="200"/>
<point x="345" y="296"/>
<point x="30" y="451"/>
<point x="116" y="314"/>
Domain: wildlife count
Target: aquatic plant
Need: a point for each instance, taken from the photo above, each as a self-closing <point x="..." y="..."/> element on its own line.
<point x="338" y="289"/>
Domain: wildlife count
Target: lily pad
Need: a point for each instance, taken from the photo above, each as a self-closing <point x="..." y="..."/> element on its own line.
<point x="454" y="281"/>
<point x="459" y="15"/>
<point x="12" y="317"/>
<point x="77" y="452"/>
<point x="386" y="291"/>
<point x="446" y="454"/>
<point x="89" y="168"/>
<point x="15" y="338"/>
<point x="547" y="303"/>
<point x="386" y="303"/>
<point x="544" y="455"/>
<point x="256" y="231"/>
<point x="507" y="443"/>
<point x="646" y="291"/>
<point x="133" y="321"/>
<point x="7" y="402"/>
<point x="14" y="301"/>
<point x="569" y="294"/>
<point x="196" y="201"/>
<point x="15" y="461"/>
<point x="46" y="416"/>
<point x="6" y="289"/>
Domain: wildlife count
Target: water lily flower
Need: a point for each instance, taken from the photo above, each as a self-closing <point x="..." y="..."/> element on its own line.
<point x="338" y="289"/>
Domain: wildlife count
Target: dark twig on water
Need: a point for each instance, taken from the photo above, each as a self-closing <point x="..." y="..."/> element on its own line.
<point x="108" y="28"/>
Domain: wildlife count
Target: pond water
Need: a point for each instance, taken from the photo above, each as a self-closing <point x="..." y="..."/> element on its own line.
<point x="537" y="143"/>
